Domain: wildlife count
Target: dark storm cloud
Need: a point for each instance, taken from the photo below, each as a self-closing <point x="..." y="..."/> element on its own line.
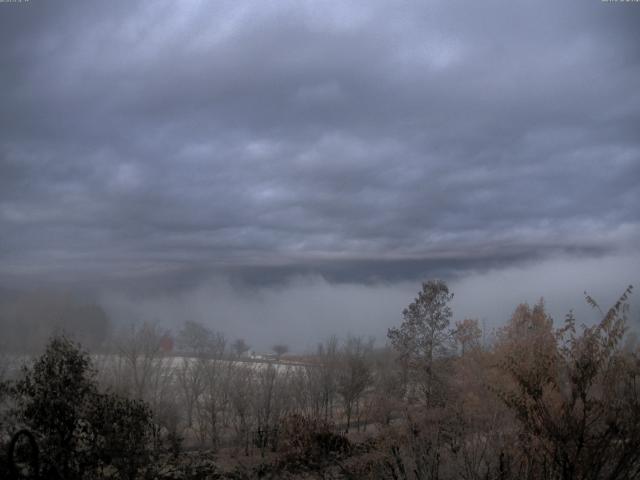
<point x="366" y="141"/>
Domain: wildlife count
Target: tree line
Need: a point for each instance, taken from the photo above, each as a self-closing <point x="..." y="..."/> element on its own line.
<point x="539" y="401"/>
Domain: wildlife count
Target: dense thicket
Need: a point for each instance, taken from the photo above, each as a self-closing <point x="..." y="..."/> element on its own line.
<point x="80" y="432"/>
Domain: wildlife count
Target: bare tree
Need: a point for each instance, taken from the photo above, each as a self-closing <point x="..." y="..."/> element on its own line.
<point x="196" y="340"/>
<point x="150" y="372"/>
<point x="387" y="388"/>
<point x="212" y="409"/>
<point x="354" y="375"/>
<point x="240" y="347"/>
<point x="240" y="395"/>
<point x="322" y="378"/>
<point x="280" y="349"/>
<point x="424" y="333"/>
<point x="467" y="334"/>
<point x="271" y="401"/>
<point x="301" y="391"/>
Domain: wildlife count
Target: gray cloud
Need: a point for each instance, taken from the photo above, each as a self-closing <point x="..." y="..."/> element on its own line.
<point x="363" y="142"/>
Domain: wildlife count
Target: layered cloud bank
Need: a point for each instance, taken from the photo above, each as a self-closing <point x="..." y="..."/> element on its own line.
<point x="150" y="147"/>
<point x="155" y="137"/>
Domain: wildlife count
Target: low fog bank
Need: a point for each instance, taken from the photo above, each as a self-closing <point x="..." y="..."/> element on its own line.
<point x="306" y="309"/>
<point x="562" y="283"/>
<point x="298" y="313"/>
<point x="302" y="310"/>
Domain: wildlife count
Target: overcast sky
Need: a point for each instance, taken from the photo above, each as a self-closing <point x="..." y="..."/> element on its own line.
<point x="160" y="145"/>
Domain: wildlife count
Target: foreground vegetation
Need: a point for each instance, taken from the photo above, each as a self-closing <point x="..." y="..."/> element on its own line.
<point x="537" y="402"/>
